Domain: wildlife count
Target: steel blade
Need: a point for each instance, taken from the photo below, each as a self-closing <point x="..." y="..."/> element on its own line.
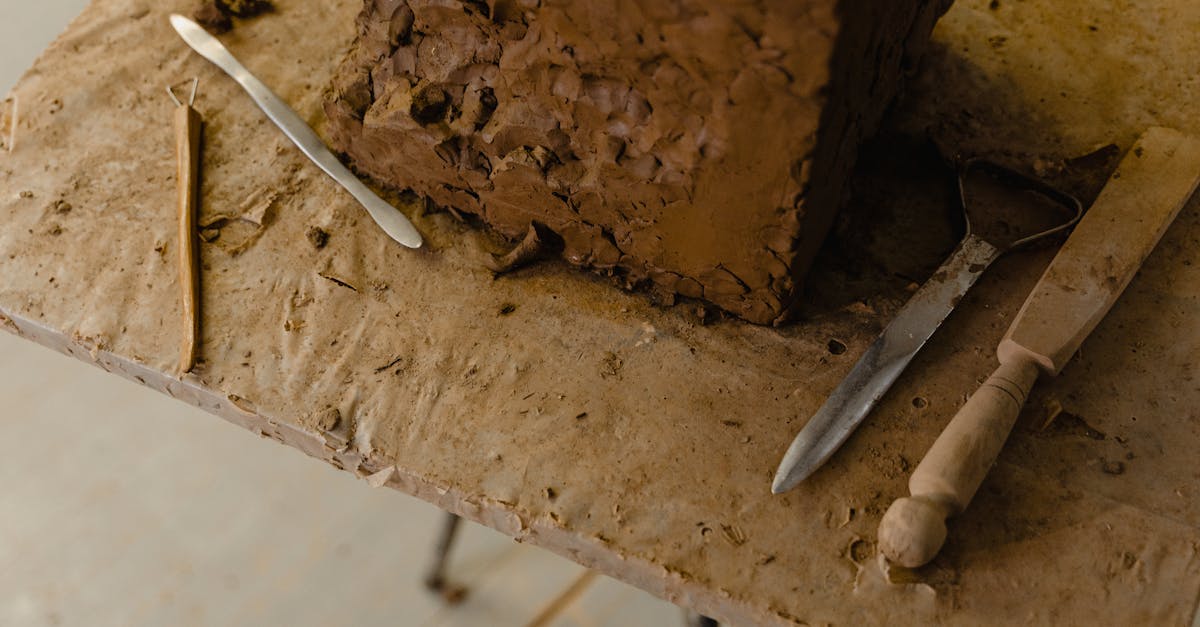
<point x="882" y="363"/>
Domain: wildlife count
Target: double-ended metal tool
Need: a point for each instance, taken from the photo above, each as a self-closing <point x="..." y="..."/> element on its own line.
<point x="394" y="223"/>
<point x="991" y="231"/>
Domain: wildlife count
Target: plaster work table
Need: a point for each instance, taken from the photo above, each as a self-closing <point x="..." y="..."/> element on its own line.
<point x="633" y="439"/>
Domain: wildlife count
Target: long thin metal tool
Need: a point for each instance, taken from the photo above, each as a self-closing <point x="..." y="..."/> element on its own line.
<point x="891" y="353"/>
<point x="189" y="127"/>
<point x="394" y="223"/>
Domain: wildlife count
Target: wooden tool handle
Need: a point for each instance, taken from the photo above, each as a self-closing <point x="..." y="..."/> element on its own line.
<point x="913" y="529"/>
<point x="188" y="127"/>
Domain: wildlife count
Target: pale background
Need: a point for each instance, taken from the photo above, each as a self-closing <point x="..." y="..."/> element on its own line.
<point x="119" y="506"/>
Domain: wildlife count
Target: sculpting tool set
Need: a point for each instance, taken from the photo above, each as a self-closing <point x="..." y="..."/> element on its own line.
<point x="1151" y="185"/>
<point x="1108" y="245"/>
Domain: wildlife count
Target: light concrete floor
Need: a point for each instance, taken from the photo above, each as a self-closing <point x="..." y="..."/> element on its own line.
<point x="114" y="509"/>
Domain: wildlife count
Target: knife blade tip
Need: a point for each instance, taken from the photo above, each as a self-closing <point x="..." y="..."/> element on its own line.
<point x="797" y="465"/>
<point x="783" y="482"/>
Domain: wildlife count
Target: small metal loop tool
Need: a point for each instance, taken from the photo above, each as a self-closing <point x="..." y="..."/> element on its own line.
<point x="992" y="230"/>
<point x="191" y="97"/>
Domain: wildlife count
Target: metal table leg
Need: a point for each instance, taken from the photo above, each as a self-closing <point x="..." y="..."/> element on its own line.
<point x="435" y="579"/>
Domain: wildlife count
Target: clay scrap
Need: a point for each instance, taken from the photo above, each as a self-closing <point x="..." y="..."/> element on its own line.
<point x="217" y="15"/>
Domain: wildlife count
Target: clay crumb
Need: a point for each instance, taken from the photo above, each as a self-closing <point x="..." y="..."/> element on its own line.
<point x="242" y="404"/>
<point x="1113" y="467"/>
<point x="212" y="18"/>
<point x="507" y="309"/>
<point x="245" y="8"/>
<point x="336" y="430"/>
<point x="701" y="315"/>
<point x="328" y="419"/>
<point x="610" y="365"/>
<point x="26" y="194"/>
<point x="317" y="236"/>
<point x="380" y="479"/>
<point x="581" y="416"/>
<point x="61" y="207"/>
<point x="216" y="16"/>
<point x="539" y="243"/>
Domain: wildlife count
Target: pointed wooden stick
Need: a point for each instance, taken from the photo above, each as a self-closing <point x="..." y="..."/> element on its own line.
<point x="188" y="130"/>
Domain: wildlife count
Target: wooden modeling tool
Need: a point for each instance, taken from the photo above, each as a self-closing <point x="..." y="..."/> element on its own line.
<point x="188" y="130"/>
<point x="1101" y="256"/>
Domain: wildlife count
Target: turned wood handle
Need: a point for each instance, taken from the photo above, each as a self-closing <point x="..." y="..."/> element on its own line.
<point x="188" y="126"/>
<point x="914" y="528"/>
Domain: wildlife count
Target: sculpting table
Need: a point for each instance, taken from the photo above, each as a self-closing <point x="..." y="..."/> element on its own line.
<point x="573" y="416"/>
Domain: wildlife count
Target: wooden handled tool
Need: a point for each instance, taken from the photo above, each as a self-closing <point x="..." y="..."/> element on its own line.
<point x="1099" y="259"/>
<point x="188" y="131"/>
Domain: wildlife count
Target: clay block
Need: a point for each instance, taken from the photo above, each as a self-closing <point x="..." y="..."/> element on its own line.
<point x="698" y="147"/>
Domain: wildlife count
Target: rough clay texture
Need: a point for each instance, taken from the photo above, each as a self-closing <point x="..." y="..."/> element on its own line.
<point x="699" y="147"/>
<point x="584" y="420"/>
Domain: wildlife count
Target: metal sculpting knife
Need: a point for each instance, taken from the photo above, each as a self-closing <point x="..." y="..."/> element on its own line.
<point x="394" y="223"/>
<point x="891" y="353"/>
